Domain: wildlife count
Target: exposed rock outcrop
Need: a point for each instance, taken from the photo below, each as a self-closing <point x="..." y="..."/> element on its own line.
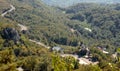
<point x="10" y="34"/>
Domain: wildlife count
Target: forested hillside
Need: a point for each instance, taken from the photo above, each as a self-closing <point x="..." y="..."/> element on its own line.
<point x="52" y="26"/>
<point x="46" y="24"/>
<point x="103" y="20"/>
<point x="83" y="32"/>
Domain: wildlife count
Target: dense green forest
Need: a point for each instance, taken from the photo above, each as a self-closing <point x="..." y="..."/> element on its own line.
<point x="102" y="19"/>
<point x="72" y="28"/>
<point x="45" y="24"/>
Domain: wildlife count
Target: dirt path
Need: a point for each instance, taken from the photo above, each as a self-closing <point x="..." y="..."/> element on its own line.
<point x="8" y="11"/>
<point x="22" y="27"/>
<point x="39" y="43"/>
<point x="82" y="60"/>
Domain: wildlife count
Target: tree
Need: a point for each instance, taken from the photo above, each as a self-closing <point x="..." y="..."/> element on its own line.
<point x="7" y="60"/>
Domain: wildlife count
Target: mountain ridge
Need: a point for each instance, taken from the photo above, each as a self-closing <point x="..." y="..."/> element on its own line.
<point x="63" y="3"/>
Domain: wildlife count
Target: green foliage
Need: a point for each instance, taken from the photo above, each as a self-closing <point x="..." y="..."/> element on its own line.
<point x="6" y="56"/>
<point x="89" y="68"/>
<point x="7" y="60"/>
<point x="64" y="64"/>
<point x="103" y="20"/>
<point x="47" y="25"/>
<point x="59" y="64"/>
<point x="71" y="63"/>
<point x="118" y="50"/>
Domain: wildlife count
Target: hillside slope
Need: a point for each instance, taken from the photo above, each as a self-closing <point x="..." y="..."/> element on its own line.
<point x="45" y="23"/>
<point x="103" y="19"/>
<point x="54" y="27"/>
<point x="78" y="34"/>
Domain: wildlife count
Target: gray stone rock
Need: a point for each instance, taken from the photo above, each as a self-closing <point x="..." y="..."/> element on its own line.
<point x="10" y="34"/>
